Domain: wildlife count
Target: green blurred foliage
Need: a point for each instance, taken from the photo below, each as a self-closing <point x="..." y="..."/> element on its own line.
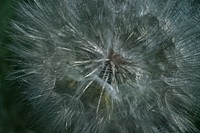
<point x="10" y="120"/>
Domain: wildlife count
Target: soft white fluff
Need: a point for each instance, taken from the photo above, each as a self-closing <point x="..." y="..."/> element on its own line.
<point x="110" y="66"/>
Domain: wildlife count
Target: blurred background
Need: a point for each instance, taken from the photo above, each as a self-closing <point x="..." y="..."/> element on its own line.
<point x="10" y="117"/>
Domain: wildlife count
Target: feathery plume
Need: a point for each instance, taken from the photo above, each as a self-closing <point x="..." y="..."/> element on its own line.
<point x="110" y="66"/>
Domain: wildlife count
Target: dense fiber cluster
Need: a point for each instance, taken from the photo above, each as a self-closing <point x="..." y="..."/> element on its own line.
<point x="109" y="66"/>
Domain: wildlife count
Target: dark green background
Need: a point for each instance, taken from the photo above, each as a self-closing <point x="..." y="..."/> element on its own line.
<point x="10" y="120"/>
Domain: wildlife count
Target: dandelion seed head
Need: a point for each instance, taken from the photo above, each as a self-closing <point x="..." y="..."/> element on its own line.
<point x="109" y="66"/>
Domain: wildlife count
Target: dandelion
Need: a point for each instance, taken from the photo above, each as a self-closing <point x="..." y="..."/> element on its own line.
<point x="108" y="66"/>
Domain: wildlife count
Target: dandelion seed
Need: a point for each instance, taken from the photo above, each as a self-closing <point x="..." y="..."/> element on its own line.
<point x="104" y="66"/>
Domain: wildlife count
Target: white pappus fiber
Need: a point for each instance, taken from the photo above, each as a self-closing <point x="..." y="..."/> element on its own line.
<point x="109" y="66"/>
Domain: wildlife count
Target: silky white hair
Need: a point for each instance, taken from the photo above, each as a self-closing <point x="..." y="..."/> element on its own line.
<point x="109" y="66"/>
